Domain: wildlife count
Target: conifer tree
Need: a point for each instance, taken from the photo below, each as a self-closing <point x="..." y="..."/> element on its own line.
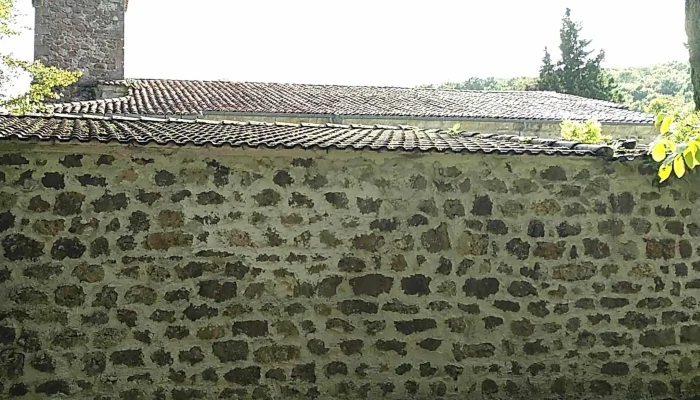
<point x="577" y="72"/>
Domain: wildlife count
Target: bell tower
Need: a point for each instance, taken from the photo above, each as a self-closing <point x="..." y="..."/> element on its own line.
<point x="81" y="35"/>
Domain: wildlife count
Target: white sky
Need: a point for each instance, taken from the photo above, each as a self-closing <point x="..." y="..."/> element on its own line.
<point x="377" y="42"/>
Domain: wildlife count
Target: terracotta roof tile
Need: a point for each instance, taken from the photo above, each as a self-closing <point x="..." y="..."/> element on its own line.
<point x="181" y="97"/>
<point x="142" y="130"/>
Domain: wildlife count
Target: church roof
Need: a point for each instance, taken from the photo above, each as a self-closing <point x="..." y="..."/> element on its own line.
<point x="186" y="97"/>
<point x="178" y="132"/>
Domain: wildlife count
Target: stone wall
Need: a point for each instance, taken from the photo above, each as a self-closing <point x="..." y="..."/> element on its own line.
<point x="142" y="273"/>
<point x="81" y="35"/>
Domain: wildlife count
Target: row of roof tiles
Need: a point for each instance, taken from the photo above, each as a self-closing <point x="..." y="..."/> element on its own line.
<point x="187" y="97"/>
<point x="143" y="130"/>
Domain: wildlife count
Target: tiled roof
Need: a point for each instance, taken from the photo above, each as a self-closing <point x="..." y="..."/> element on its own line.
<point x="179" y="97"/>
<point x="141" y="130"/>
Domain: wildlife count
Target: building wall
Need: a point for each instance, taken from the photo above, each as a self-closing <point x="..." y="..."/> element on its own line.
<point x="645" y="133"/>
<point x="81" y="35"/>
<point x="132" y="272"/>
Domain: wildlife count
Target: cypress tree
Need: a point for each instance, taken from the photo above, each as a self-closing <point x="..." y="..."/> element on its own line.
<point x="577" y="72"/>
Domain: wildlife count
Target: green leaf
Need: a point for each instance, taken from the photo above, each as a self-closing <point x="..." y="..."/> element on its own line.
<point x="666" y="124"/>
<point x="679" y="166"/>
<point x="665" y="171"/>
<point x="659" y="120"/>
<point x="658" y="152"/>
<point x="689" y="158"/>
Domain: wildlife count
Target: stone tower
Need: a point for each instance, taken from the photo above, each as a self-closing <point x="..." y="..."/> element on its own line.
<point x="81" y="35"/>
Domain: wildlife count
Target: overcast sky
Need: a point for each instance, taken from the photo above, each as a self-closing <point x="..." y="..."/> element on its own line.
<point x="377" y="42"/>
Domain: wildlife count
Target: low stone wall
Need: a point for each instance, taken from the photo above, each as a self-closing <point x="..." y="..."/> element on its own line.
<point x="644" y="133"/>
<point x="133" y="273"/>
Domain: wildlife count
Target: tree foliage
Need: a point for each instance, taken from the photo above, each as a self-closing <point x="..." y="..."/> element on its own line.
<point x="584" y="132"/>
<point x="45" y="79"/>
<point x="578" y="72"/>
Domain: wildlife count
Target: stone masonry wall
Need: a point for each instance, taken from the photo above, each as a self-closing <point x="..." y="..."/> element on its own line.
<point x="141" y="273"/>
<point x="81" y="35"/>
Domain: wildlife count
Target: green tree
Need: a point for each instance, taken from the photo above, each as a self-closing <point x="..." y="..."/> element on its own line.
<point x="45" y="79"/>
<point x="577" y="72"/>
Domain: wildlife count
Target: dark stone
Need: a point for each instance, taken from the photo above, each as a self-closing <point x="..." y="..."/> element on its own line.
<point x="338" y="200"/>
<point x="244" y="376"/>
<point x="210" y="198"/>
<point x="177" y="295"/>
<point x="522" y="327"/>
<point x="385" y="224"/>
<point x="297" y="200"/>
<point x="391" y="345"/>
<point x="481" y="288"/>
<point x="43" y="362"/>
<point x="164" y="178"/>
<point x="148" y="197"/>
<point x="400" y="308"/>
<point x="667" y="211"/>
<point x="463" y="351"/>
<point x="660" y="249"/>
<point x="453" y="208"/>
<point x="522" y="289"/>
<point x="194" y="313"/>
<point x="18" y="247"/>
<point x="536" y="229"/>
<point x="635" y="320"/>
<point x="371" y="285"/>
<point x="109" y="203"/>
<point x="416" y="325"/>
<point x="690" y="334"/>
<point x="653" y="303"/>
<point x="92" y="180"/>
<point x="595" y="248"/>
<point x="565" y="229"/>
<point x="69" y="296"/>
<point x="613" y="302"/>
<point x="536" y="347"/>
<point x="129" y="358"/>
<point x="13" y="159"/>
<point x="518" y="248"/>
<point x="675" y="227"/>
<point x="553" y="173"/>
<point x="335" y="368"/>
<point x="506" y="305"/>
<point x="349" y="307"/>
<point x="176" y="332"/>
<point x="72" y="161"/>
<point x="497" y="227"/>
<point x="317" y="347"/>
<point x="68" y="203"/>
<point x="491" y="322"/>
<point x="549" y="250"/>
<point x="658" y="338"/>
<point x="276" y="353"/>
<point x="53" y="387"/>
<point x="351" y="264"/>
<point x="37" y="204"/>
<point x="250" y="328"/>
<point x="436" y="240"/>
<point x="217" y="291"/>
<point x="622" y="203"/>
<point x="139" y="222"/>
<point x="368" y="205"/>
<point x="192" y="356"/>
<point x="230" y="350"/>
<point x="350" y="347"/>
<point x="538" y="308"/>
<point x="180" y="195"/>
<point x="416" y="285"/>
<point x="304" y="372"/>
<point x="161" y="358"/>
<point x="53" y="180"/>
<point x="329" y="285"/>
<point x="482" y="206"/>
<point x="370" y="242"/>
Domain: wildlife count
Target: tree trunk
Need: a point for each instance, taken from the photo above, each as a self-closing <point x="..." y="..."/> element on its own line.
<point x="692" y="29"/>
